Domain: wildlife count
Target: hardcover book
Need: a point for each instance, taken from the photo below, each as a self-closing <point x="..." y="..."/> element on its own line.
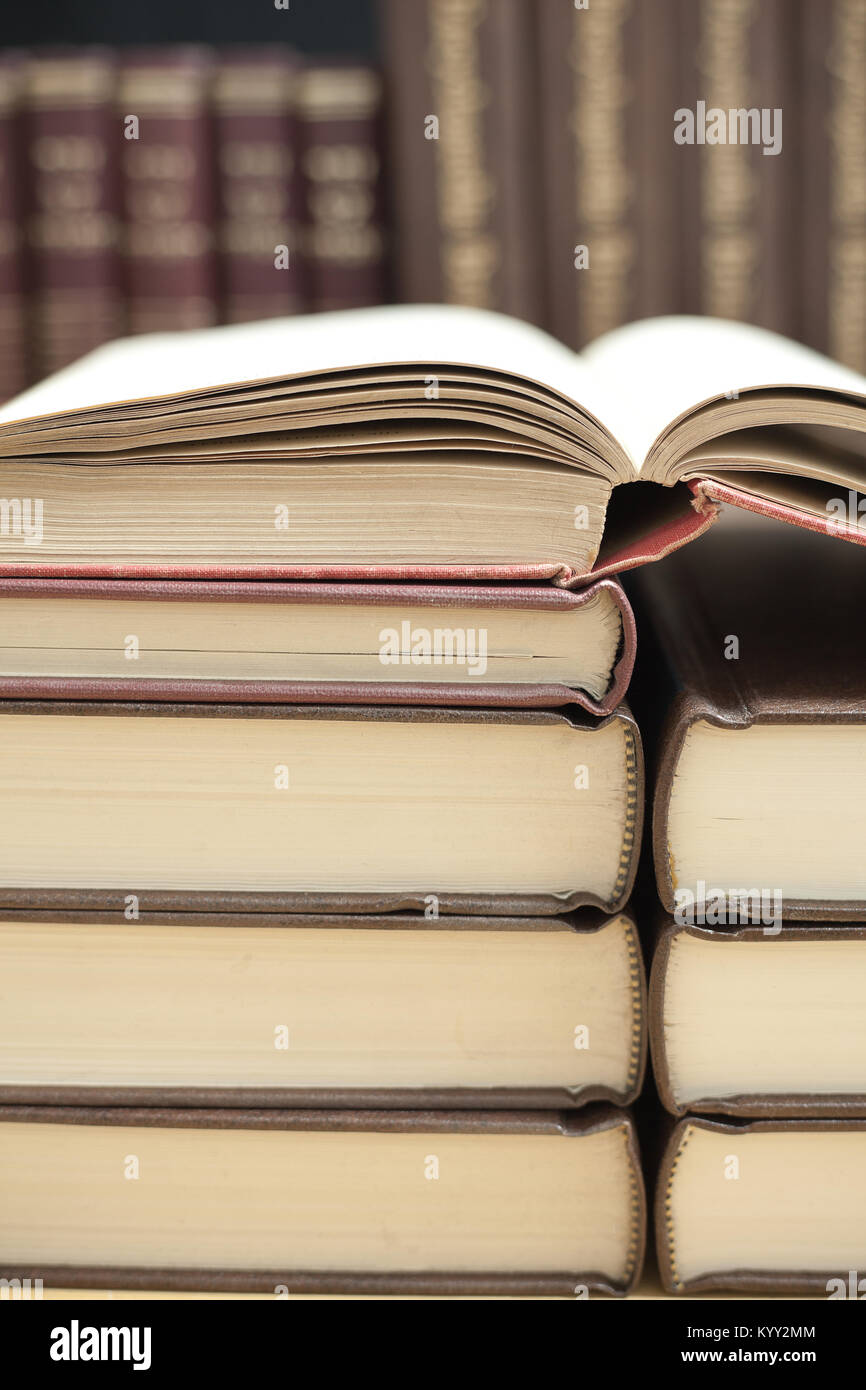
<point x="339" y="1201"/>
<point x="304" y="807"/>
<point x="396" y="1011"/>
<point x="357" y="445"/>
<point x="759" y="779"/>
<point x="170" y="260"/>
<point x="321" y="643"/>
<point x="758" y="1021"/>
<point x="72" y="146"/>
<point x="770" y="1206"/>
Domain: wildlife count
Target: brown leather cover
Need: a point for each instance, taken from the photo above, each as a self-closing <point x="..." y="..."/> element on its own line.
<point x="168" y="189"/>
<point x="736" y="1280"/>
<point x="610" y="164"/>
<point x="354" y="1098"/>
<point x="465" y="202"/>
<point x="553" y="1283"/>
<point x="73" y="146"/>
<point x="255" y="132"/>
<point x="793" y="1105"/>
<point x="533" y="696"/>
<point x="795" y="602"/>
<point x="339" y="126"/>
<point x="471" y="904"/>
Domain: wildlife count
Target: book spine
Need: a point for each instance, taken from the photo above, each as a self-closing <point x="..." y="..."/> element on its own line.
<point x="741" y="197"/>
<point x="258" y="185"/>
<point x="14" y="373"/>
<point x="72" y="145"/>
<point x="339" y="116"/>
<point x="462" y="93"/>
<point x="834" y="197"/>
<point x="592" y="119"/>
<point x="170" y="261"/>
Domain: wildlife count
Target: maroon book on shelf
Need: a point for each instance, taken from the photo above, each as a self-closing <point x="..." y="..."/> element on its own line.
<point x="72" y="147"/>
<point x="13" y="339"/>
<point x="261" y="266"/>
<point x="339" y="113"/>
<point x="168" y="188"/>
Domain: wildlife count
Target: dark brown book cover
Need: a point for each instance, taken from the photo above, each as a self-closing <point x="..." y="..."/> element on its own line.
<point x="611" y="226"/>
<point x="753" y="1104"/>
<point x="462" y="91"/>
<point x="339" y="118"/>
<point x="792" y="600"/>
<point x="165" y="139"/>
<point x="833" y="277"/>
<point x="14" y="365"/>
<point x="736" y="1281"/>
<point x="472" y="904"/>
<point x="353" y="1098"/>
<point x="550" y="1284"/>
<point x="741" y="208"/>
<point x="537" y="695"/>
<point x="72" y="142"/>
<point x="258" y="178"/>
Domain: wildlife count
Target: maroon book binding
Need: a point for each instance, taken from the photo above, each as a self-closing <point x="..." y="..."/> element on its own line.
<point x="168" y="189"/>
<point x="341" y="163"/>
<point x="13" y="324"/>
<point x="72" y="146"/>
<point x="529" y="695"/>
<point x="258" y="184"/>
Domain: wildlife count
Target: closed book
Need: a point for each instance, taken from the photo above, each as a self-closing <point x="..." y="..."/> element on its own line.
<point x="168" y="186"/>
<point x="462" y="91"/>
<point x="258" y="183"/>
<point x="611" y="229"/>
<point x="307" y="808"/>
<point x="327" y="1201"/>
<point x="757" y="789"/>
<point x="739" y="151"/>
<point x="72" y="145"/>
<point x="249" y="1010"/>
<point x="760" y="1021"/>
<point x="833" y="239"/>
<point x="765" y="1206"/>
<point x="315" y="643"/>
<point x="14" y="337"/>
<point x="339" y="123"/>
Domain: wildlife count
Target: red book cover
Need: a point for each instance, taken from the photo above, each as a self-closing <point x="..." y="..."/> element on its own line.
<point x="168" y="189"/>
<point x="258" y="184"/>
<point x="72" y="146"/>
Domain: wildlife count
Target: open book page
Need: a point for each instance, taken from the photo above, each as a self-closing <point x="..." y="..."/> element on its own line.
<point x="665" y="367"/>
<point x="160" y="365"/>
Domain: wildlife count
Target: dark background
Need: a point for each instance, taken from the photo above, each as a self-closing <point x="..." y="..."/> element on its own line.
<point x="313" y="26"/>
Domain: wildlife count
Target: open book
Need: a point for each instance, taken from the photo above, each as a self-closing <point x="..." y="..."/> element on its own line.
<point x="420" y="443"/>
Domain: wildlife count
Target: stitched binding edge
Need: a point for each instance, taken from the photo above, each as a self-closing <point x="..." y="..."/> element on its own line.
<point x="669" y="1225"/>
<point x="627" y="848"/>
<point x="634" y="1242"/>
<point x="636" y="995"/>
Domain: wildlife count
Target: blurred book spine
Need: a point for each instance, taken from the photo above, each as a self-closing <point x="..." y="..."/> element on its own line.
<point x="339" y="112"/>
<point x="170" y="257"/>
<point x="262" y="273"/>
<point x="462" y="92"/>
<point x="71" y="152"/>
<point x="14" y="367"/>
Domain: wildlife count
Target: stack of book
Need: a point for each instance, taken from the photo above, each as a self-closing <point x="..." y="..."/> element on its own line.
<point x="155" y="189"/>
<point x="321" y="804"/>
<point x="758" y="986"/>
